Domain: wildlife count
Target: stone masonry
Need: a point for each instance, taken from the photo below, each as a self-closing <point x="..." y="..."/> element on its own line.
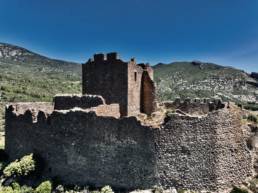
<point x="84" y="140"/>
<point x="125" y="83"/>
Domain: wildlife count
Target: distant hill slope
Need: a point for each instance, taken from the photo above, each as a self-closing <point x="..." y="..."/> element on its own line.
<point x="197" y="79"/>
<point x="27" y="76"/>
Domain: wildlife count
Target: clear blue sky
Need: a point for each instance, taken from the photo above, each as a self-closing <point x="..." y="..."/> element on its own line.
<point x="220" y="31"/>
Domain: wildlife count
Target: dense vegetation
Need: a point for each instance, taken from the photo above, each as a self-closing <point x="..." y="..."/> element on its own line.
<point x="26" y="76"/>
<point x="36" y="82"/>
<point x="197" y="79"/>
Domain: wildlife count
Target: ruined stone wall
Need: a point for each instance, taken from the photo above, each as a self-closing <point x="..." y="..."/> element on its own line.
<point x="86" y="103"/>
<point x="195" y="106"/>
<point x="82" y="148"/>
<point x="203" y="153"/>
<point x="107" y="77"/>
<point x="134" y="88"/>
<point x="147" y="94"/>
<point x="62" y="102"/>
<point x="118" y="82"/>
<point x="112" y="110"/>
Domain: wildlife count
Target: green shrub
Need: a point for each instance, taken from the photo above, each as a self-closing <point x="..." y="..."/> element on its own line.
<point x="238" y="190"/>
<point x="21" y="189"/>
<point x="252" y="118"/>
<point x="20" y="167"/>
<point x="44" y="187"/>
<point x="252" y="107"/>
<point x="16" y="188"/>
<point x="106" y="189"/>
<point x="6" y="189"/>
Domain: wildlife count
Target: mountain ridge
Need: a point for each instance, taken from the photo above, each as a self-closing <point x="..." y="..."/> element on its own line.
<point x="12" y="48"/>
<point x="176" y="79"/>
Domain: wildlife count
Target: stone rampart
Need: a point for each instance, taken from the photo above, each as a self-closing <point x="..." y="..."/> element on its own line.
<point x="82" y="148"/>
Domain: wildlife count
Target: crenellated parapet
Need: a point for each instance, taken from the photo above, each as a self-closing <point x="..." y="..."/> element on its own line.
<point x="100" y="57"/>
<point x="195" y="106"/>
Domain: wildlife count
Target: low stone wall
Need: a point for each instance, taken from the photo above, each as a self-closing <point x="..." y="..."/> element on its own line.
<point x="62" y="102"/>
<point x="85" y="149"/>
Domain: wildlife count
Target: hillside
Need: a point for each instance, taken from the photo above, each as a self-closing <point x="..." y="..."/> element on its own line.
<point x="27" y="76"/>
<point x="197" y="79"/>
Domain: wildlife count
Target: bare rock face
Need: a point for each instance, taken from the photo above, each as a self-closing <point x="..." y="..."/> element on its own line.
<point x="13" y="52"/>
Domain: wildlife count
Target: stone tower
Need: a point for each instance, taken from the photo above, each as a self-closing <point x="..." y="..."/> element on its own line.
<point x="126" y="83"/>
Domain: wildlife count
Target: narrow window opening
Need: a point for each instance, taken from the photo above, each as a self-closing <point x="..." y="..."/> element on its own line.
<point x="135" y="76"/>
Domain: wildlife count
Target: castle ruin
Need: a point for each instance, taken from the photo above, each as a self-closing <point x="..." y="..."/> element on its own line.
<point x="99" y="137"/>
<point x="126" y="83"/>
